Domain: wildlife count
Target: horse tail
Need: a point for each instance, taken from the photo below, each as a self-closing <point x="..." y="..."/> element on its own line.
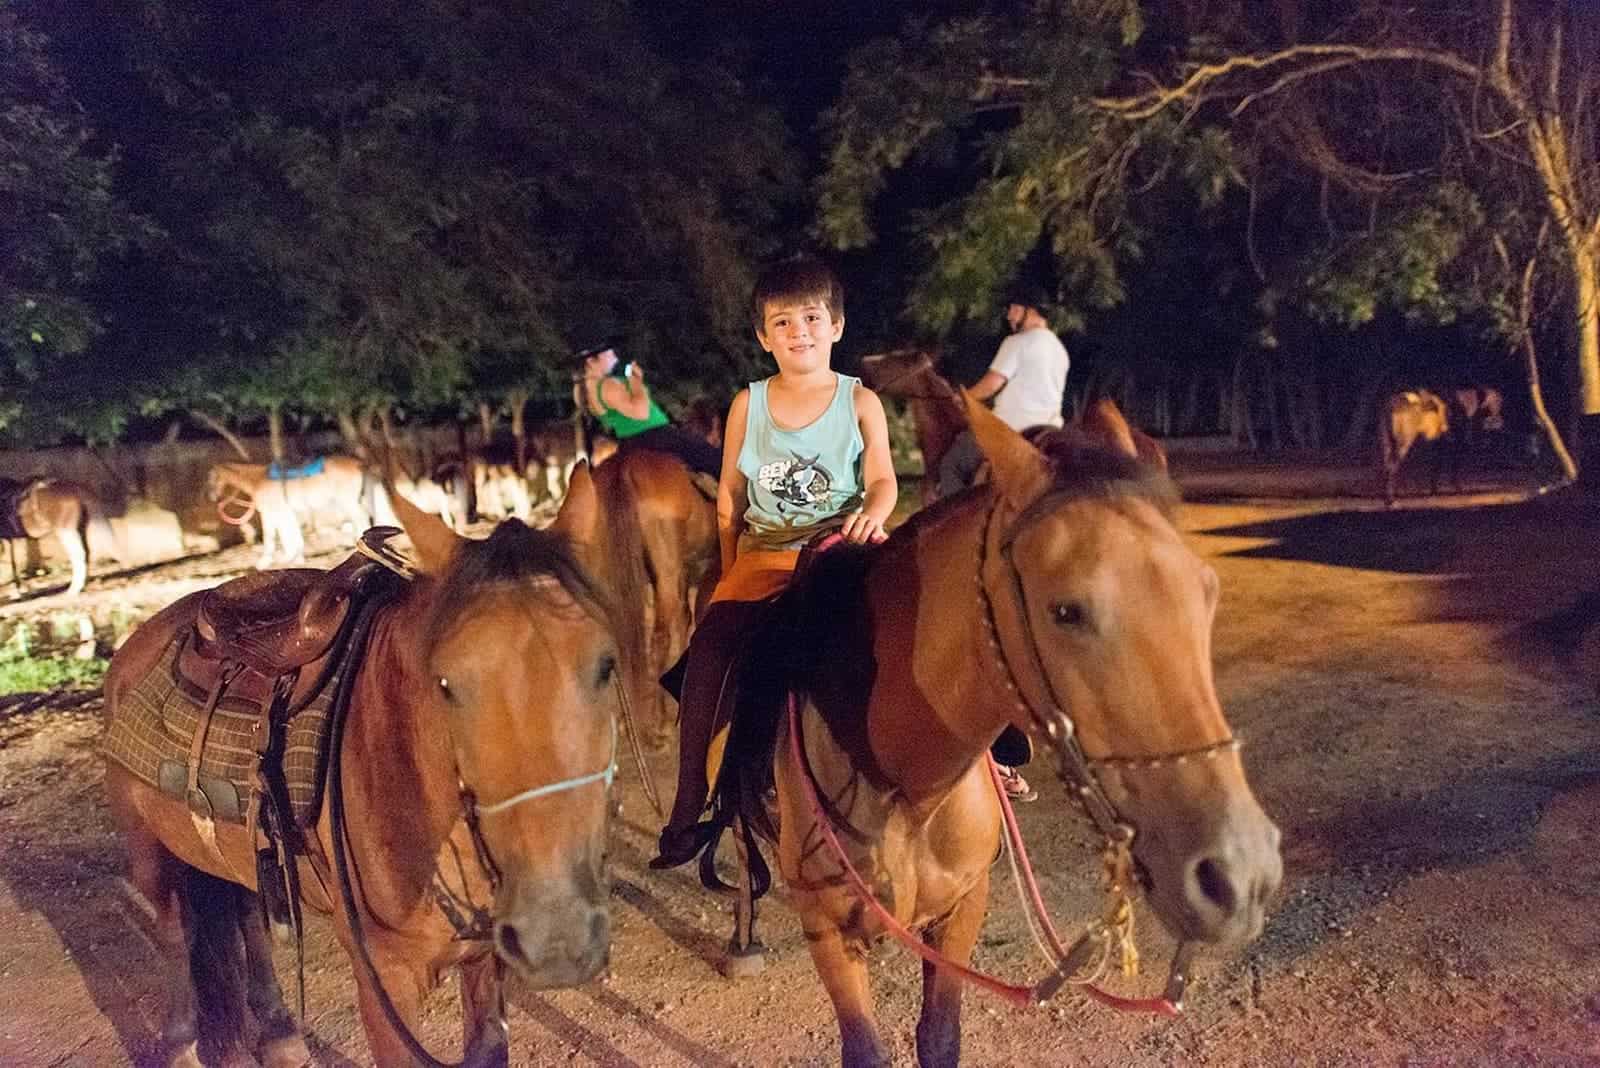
<point x="626" y="572"/>
<point x="214" y="914"/>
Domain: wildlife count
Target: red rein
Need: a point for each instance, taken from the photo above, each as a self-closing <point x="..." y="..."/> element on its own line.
<point x="1037" y="994"/>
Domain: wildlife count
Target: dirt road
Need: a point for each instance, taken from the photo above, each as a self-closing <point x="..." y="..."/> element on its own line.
<point x="1417" y="691"/>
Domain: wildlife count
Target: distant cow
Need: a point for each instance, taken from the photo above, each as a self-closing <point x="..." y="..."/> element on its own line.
<point x="1406" y="418"/>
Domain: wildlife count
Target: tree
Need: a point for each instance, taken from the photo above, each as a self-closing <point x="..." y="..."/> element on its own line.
<point x="60" y="221"/>
<point x="1338" y="126"/>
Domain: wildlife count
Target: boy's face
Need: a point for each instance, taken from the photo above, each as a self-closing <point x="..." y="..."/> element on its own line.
<point x="800" y="334"/>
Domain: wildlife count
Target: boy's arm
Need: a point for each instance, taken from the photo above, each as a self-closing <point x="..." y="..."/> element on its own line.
<point x="877" y="472"/>
<point x="732" y="495"/>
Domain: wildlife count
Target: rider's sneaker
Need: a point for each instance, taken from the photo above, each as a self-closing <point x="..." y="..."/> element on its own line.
<point x="1016" y="787"/>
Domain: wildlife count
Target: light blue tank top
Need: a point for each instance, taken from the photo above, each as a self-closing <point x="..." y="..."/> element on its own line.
<point x="801" y="482"/>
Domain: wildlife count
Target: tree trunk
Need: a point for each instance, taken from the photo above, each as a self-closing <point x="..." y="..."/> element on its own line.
<point x="486" y="421"/>
<point x="351" y="433"/>
<point x="275" y="432"/>
<point x="518" y="399"/>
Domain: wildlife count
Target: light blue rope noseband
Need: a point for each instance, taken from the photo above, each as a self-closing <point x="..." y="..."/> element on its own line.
<point x="605" y="775"/>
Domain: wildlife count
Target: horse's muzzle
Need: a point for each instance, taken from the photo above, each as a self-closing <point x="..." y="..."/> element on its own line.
<point x="552" y="933"/>
<point x="1209" y="852"/>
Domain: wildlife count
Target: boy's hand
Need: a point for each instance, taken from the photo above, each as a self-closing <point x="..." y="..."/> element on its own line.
<point x="861" y="529"/>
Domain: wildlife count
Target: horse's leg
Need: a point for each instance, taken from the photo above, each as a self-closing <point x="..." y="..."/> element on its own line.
<point x="843" y="970"/>
<point x="280" y="1044"/>
<point x="212" y="909"/>
<point x="72" y="541"/>
<point x="159" y="876"/>
<point x="484" y="1034"/>
<point x="746" y="955"/>
<point x="939" y="1027"/>
<point x="406" y="986"/>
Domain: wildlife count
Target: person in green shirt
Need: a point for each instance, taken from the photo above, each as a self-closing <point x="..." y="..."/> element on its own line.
<point x="620" y="402"/>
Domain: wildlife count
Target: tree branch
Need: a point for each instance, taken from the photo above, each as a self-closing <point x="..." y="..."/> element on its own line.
<point x="222" y="430"/>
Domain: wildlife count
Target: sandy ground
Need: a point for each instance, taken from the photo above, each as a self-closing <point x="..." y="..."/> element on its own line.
<point x="1418" y="693"/>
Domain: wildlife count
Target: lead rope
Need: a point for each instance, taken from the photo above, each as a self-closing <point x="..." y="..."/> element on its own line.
<point x="1070" y="962"/>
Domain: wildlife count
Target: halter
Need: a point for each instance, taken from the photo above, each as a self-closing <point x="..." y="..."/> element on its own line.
<point x="1081" y="964"/>
<point x="1073" y="766"/>
<point x="472" y="922"/>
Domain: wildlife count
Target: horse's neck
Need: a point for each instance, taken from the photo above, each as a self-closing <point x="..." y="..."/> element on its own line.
<point x="399" y="767"/>
<point x="935" y="705"/>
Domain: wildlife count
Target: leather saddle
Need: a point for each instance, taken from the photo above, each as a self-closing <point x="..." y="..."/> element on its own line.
<point x="261" y="648"/>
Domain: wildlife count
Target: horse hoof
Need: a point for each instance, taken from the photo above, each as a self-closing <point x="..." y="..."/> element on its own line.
<point x="289" y="1051"/>
<point x="745" y="963"/>
<point x="186" y="1057"/>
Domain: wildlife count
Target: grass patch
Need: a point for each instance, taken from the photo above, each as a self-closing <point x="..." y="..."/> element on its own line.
<point x="24" y="671"/>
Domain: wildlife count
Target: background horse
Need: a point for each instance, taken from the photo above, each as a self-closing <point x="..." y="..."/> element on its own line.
<point x="1408" y="418"/>
<point x="38" y="507"/>
<point x="342" y="486"/>
<point x="487" y="683"/>
<point x="912" y="375"/>
<point x="658" y="545"/>
<point x="1088" y="603"/>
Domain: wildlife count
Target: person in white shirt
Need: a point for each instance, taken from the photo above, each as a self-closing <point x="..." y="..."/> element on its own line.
<point x="1027" y="379"/>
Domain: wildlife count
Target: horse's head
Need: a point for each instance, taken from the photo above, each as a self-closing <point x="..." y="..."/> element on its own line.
<point x="519" y="658"/>
<point x="902" y="373"/>
<point x="1103" y="619"/>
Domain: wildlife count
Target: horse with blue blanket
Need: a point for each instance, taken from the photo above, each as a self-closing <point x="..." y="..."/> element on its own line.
<point x="282" y="495"/>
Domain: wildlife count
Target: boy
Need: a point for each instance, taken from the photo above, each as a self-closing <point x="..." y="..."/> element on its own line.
<point x="804" y="452"/>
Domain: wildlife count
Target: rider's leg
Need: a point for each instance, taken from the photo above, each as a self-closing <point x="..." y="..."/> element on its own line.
<point x="960" y="464"/>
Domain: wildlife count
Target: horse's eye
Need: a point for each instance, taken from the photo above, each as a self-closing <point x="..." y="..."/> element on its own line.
<point x="606" y="669"/>
<point x="1068" y="614"/>
<point x="444" y="689"/>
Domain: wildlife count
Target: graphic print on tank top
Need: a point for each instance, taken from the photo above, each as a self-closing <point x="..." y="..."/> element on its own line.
<point x="798" y="480"/>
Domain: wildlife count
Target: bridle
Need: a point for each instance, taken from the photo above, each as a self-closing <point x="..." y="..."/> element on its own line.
<point x="471" y="921"/>
<point x="1049" y="716"/>
<point x="1104" y="940"/>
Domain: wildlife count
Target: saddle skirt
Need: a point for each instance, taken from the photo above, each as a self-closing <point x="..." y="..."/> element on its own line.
<point x="240" y="701"/>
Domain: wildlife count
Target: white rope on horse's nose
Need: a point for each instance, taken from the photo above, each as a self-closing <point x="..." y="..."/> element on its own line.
<point x="605" y="775"/>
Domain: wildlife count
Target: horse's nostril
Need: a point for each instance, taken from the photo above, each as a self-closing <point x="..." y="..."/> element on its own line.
<point x="1215" y="885"/>
<point x="509" y="941"/>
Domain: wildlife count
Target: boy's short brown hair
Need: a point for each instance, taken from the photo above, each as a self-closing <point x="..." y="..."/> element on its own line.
<point x="799" y="277"/>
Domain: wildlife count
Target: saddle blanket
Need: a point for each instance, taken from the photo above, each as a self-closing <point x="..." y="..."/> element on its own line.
<point x="286" y="472"/>
<point x="157" y="722"/>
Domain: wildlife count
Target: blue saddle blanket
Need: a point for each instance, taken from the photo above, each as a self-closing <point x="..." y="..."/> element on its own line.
<point x="305" y="470"/>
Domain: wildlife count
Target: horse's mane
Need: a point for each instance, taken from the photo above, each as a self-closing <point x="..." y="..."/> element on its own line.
<point x="514" y="553"/>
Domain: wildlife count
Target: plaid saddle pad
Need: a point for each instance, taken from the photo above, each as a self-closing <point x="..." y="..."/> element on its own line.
<point x="155" y="726"/>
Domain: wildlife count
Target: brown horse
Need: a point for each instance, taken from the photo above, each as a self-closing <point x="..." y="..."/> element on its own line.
<point x="479" y="725"/>
<point x="38" y="507"/>
<point x="659" y="534"/>
<point x="1408" y="418"/>
<point x="1089" y="628"/>
<point x="912" y="375"/>
<point x="341" y="486"/>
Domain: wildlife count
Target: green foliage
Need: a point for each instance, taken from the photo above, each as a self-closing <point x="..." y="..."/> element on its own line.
<point x="1406" y="266"/>
<point x="22" y="670"/>
<point x="59" y="221"/>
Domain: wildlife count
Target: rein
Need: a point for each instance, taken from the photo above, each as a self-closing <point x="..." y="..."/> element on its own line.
<point x="234" y="498"/>
<point x="477" y="924"/>
<point x="1112" y="934"/>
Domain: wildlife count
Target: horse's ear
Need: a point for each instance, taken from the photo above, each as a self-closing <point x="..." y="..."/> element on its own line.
<point x="581" y="508"/>
<point x="1019" y="471"/>
<point x="1105" y="423"/>
<point x="436" y="544"/>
